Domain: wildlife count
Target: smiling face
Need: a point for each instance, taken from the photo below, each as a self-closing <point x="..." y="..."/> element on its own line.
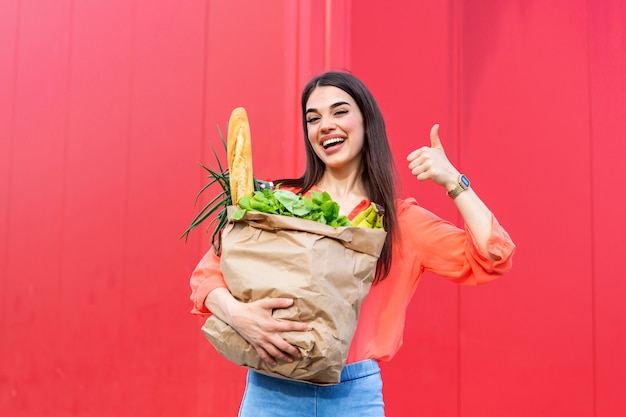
<point x="335" y="127"/>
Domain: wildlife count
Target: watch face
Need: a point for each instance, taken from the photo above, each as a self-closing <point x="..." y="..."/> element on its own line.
<point x="465" y="181"/>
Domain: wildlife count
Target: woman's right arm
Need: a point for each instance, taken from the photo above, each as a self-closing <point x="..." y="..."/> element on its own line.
<point x="253" y="321"/>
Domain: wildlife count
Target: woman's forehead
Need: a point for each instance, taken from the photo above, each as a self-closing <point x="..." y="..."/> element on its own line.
<point x="325" y="96"/>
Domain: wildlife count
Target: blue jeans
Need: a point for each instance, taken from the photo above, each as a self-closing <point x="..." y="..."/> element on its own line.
<point x="359" y="394"/>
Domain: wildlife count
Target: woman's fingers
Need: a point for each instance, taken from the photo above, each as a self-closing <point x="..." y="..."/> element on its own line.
<point x="431" y="162"/>
<point x="277" y="349"/>
<point x="423" y="163"/>
<point x="254" y="322"/>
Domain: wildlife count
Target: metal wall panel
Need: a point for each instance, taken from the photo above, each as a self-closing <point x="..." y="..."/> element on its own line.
<point x="105" y="108"/>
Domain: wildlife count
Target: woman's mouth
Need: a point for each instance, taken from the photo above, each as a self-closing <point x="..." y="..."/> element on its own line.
<point x="329" y="143"/>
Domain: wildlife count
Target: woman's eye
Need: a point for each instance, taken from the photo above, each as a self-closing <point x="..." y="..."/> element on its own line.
<point x="341" y="112"/>
<point x="312" y="119"/>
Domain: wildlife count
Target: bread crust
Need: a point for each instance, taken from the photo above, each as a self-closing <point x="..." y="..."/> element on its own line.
<point x="239" y="149"/>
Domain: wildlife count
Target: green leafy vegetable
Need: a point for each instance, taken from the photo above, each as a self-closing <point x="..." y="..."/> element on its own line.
<point x="319" y="207"/>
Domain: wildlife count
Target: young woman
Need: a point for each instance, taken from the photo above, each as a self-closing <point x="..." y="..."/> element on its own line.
<point x="348" y="156"/>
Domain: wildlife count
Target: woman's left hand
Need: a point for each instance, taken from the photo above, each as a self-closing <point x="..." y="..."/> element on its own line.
<point x="431" y="163"/>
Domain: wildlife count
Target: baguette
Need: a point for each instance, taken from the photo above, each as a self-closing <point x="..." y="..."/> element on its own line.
<point x="239" y="149"/>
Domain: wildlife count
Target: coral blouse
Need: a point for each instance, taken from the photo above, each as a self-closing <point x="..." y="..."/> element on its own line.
<point x="424" y="242"/>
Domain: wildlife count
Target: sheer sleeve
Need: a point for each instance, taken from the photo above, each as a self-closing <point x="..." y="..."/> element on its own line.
<point x="450" y="251"/>
<point x="205" y="278"/>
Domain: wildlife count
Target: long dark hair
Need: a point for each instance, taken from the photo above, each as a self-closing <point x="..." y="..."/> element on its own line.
<point x="378" y="170"/>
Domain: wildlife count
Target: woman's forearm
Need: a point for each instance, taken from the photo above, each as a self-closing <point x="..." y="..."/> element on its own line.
<point x="478" y="218"/>
<point x="220" y="303"/>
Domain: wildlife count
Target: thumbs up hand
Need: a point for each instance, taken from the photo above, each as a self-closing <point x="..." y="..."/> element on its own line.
<point x="431" y="163"/>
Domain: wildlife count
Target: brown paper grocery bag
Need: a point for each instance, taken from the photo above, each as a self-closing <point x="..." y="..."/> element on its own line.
<point x="327" y="271"/>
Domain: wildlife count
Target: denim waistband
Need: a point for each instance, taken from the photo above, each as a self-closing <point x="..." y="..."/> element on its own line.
<point x="358" y="395"/>
<point x="359" y="369"/>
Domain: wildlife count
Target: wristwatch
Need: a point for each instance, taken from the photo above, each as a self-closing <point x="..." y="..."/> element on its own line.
<point x="464" y="184"/>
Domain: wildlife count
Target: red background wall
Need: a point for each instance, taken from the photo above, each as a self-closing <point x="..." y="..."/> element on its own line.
<point x="105" y="108"/>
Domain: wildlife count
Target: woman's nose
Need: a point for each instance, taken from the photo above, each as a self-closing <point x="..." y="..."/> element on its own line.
<point x="327" y="124"/>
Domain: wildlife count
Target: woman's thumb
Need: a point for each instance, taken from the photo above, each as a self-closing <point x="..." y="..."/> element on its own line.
<point x="435" y="142"/>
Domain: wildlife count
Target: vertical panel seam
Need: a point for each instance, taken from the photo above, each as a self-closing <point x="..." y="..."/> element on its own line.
<point x="126" y="194"/>
<point x="10" y="151"/>
<point x="328" y="12"/>
<point x="203" y="152"/>
<point x="304" y="68"/>
<point x="592" y="211"/>
<point x="65" y="145"/>
<point x="296" y="86"/>
<point x="347" y="11"/>
<point x="291" y="65"/>
<point x="455" y="10"/>
<point x="203" y="105"/>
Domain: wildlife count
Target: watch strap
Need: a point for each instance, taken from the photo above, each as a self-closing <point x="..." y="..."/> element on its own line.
<point x="464" y="184"/>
